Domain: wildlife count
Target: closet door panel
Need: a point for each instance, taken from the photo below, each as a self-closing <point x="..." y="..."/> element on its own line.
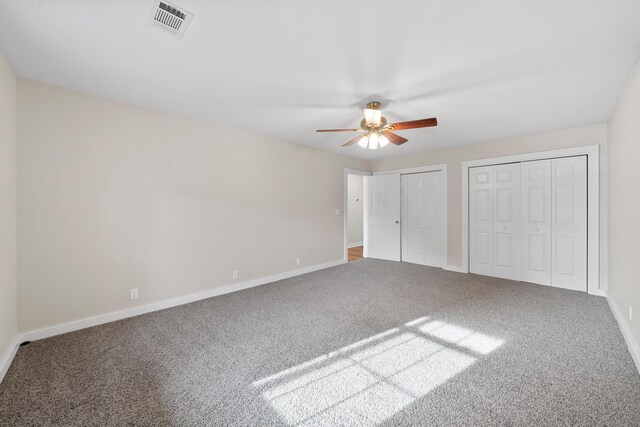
<point x="422" y="218"/>
<point x="481" y="220"/>
<point x="413" y="219"/>
<point x="434" y="219"/>
<point x="536" y="221"/>
<point x="382" y="217"/>
<point x="569" y="223"/>
<point x="506" y="224"/>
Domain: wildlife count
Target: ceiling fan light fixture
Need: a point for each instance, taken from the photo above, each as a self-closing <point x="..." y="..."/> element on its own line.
<point x="373" y="141"/>
<point x="383" y="141"/>
<point x="364" y="141"/>
<point x="372" y="117"/>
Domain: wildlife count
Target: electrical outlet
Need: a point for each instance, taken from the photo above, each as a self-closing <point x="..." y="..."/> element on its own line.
<point x="630" y="313"/>
<point x="235" y="274"/>
<point x="297" y="261"/>
<point x="133" y="293"/>
<point x="337" y="212"/>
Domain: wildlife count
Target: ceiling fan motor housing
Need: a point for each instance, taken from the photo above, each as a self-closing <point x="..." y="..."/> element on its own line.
<point x="365" y="126"/>
<point x="374" y="105"/>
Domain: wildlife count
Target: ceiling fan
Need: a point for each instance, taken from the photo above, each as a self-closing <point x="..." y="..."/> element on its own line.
<point x="376" y="133"/>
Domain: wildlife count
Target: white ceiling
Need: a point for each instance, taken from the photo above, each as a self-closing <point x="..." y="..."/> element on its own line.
<point x="486" y="69"/>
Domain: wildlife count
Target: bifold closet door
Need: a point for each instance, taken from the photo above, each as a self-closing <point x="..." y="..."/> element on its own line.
<point x="422" y="218"/>
<point x="536" y="221"/>
<point x="382" y="217"/>
<point x="528" y="222"/>
<point x="494" y="221"/>
<point x="481" y="220"/>
<point x="507" y="221"/>
<point x="569" y="223"/>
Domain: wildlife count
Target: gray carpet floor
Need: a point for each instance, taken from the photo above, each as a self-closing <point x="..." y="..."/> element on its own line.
<point x="366" y="343"/>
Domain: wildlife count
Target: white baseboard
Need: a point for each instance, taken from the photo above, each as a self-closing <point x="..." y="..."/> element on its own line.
<point x="8" y="356"/>
<point x="160" y="305"/>
<point x="453" y="268"/>
<point x="598" y="292"/>
<point x="354" y="245"/>
<point x="633" y="347"/>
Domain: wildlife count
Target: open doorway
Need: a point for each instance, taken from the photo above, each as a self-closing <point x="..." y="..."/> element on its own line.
<point x="354" y="214"/>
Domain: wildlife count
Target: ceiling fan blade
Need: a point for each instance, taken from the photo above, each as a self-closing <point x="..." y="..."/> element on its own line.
<point x="424" y="123"/>
<point x="353" y="141"/>
<point x="392" y="137"/>
<point x="338" y="130"/>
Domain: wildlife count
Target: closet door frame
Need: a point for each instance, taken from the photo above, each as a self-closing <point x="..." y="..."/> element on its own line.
<point x="593" y="204"/>
<point x="433" y="168"/>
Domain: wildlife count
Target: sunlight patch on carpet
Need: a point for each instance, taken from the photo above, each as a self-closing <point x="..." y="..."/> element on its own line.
<point x="370" y="380"/>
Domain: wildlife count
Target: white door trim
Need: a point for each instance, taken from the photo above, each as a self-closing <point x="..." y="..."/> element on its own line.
<point x="593" y="182"/>
<point x="345" y="206"/>
<point x="419" y="169"/>
<point x="445" y="191"/>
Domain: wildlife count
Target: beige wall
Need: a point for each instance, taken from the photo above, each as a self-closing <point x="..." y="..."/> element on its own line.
<point x="624" y="207"/>
<point x="8" y="290"/>
<point x="355" y="212"/>
<point x="576" y="137"/>
<point x="114" y="197"/>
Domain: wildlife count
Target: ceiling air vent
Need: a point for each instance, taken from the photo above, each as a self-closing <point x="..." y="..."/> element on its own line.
<point x="170" y="18"/>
